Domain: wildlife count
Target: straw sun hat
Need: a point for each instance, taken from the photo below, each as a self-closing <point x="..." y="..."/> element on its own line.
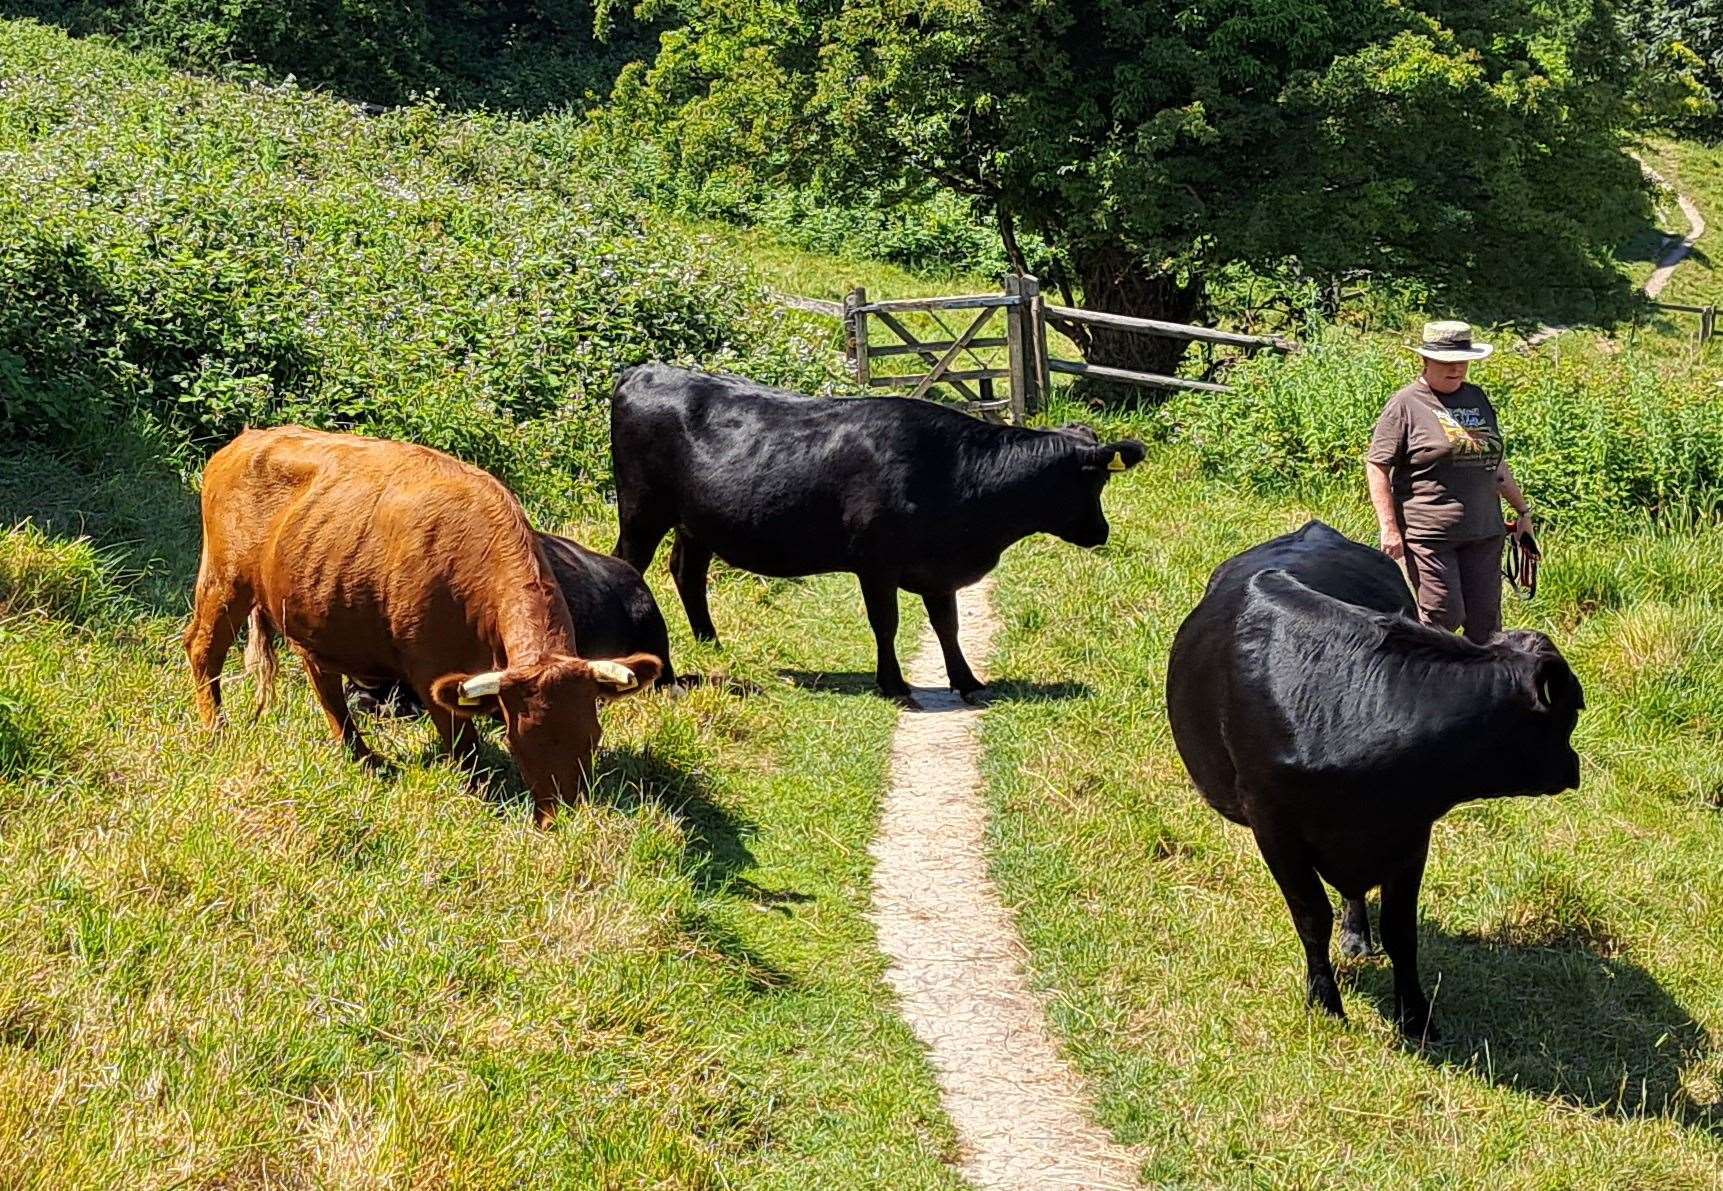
<point x="1450" y="341"/>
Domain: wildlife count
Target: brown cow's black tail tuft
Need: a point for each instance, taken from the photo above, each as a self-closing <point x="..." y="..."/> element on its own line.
<point x="261" y="661"/>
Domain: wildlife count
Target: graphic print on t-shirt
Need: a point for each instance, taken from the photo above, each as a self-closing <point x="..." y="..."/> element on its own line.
<point x="1470" y="439"/>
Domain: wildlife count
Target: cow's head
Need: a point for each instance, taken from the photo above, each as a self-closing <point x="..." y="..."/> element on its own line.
<point x="1081" y="471"/>
<point x="550" y="713"/>
<point x="1547" y="702"/>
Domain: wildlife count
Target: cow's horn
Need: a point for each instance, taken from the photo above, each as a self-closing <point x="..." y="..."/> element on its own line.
<point x="479" y="685"/>
<point x="613" y="674"/>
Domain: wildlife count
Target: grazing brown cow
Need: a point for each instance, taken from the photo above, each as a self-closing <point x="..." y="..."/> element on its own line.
<point x="386" y="561"/>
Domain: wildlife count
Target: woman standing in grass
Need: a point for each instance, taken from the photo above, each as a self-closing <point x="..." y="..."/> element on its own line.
<point x="1437" y="480"/>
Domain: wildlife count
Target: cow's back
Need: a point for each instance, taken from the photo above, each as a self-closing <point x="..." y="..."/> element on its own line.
<point x="612" y="607"/>
<point x="776" y="482"/>
<point x="1207" y="707"/>
<point x="1324" y="560"/>
<point x="377" y="556"/>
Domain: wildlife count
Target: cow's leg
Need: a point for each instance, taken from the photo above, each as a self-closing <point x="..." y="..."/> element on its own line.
<point x="1355" y="928"/>
<point x="1400" y="941"/>
<point x="326" y="684"/>
<point x="217" y="614"/>
<point x="942" y="614"/>
<point x="639" y="537"/>
<point x="689" y="562"/>
<point x="1312" y="915"/>
<point x="881" y="600"/>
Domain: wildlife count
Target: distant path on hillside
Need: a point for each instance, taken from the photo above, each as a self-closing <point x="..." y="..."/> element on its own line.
<point x="1679" y="250"/>
<point x="1674" y="253"/>
<point x="956" y="963"/>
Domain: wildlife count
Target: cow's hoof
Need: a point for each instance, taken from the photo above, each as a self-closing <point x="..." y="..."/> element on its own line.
<point x="1326" y="996"/>
<point x="1417" y="1027"/>
<point x="1424" y="1035"/>
<point x="975" y="696"/>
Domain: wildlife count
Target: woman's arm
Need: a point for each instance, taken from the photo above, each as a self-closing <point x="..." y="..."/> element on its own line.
<point x="1510" y="492"/>
<point x="1387" y="516"/>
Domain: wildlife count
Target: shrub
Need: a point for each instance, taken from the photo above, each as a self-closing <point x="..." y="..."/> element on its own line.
<point x="219" y="256"/>
<point x="520" y="55"/>
<point x="1595" y="440"/>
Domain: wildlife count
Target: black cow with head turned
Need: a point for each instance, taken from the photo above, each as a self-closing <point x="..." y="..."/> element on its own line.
<point x="1310" y="705"/>
<point x="904" y="494"/>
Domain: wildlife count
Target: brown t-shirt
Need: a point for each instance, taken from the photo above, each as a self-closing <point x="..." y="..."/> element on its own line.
<point x="1442" y="452"/>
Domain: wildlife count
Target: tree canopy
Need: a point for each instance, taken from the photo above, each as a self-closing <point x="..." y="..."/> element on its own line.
<point x="1479" y="146"/>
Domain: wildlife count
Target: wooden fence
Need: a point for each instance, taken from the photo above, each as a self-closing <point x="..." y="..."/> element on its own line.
<point x="1707" y="317"/>
<point x="1017" y="320"/>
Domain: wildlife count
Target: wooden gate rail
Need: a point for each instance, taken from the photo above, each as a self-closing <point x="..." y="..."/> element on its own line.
<point x="1707" y="317"/>
<point x="1155" y="326"/>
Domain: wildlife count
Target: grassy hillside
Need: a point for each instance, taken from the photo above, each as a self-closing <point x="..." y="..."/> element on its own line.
<point x="1571" y="946"/>
<point x="208" y="256"/>
<point x="244" y="960"/>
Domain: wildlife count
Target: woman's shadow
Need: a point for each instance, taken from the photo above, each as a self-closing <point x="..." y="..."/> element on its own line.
<point x="1564" y="1019"/>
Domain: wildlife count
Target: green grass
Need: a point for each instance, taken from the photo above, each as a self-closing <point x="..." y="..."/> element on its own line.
<point x="245" y="961"/>
<point x="1571" y="945"/>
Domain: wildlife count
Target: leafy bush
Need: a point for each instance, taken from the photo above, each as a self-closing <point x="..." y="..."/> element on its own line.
<point x="217" y="256"/>
<point x="1594" y="441"/>
<point x="518" y="55"/>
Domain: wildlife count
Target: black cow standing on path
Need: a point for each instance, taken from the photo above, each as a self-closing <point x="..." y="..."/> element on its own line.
<point x="1309" y="705"/>
<point x="904" y="494"/>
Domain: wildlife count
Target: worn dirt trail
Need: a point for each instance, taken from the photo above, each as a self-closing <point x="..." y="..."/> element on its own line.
<point x="1676" y="250"/>
<point x="956" y="963"/>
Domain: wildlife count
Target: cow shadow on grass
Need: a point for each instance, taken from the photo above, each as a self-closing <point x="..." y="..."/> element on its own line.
<point x="858" y="682"/>
<point x="715" y="852"/>
<point x="1565" y="1019"/>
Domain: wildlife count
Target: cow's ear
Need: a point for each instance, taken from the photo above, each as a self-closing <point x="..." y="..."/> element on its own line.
<point x="1557" y="686"/>
<point x="470" y="694"/>
<point x="1115" y="456"/>
<point x="619" y="677"/>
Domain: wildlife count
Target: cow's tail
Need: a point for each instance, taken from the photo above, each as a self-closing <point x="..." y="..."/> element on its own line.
<point x="261" y="661"/>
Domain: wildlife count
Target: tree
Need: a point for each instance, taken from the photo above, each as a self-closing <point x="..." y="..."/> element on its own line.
<point x="1680" y="44"/>
<point x="1478" y="145"/>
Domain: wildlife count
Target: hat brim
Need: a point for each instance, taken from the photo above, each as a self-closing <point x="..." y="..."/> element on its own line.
<point x="1477" y="351"/>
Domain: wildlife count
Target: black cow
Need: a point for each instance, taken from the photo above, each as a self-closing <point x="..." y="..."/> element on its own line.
<point x="1309" y="705"/>
<point x="904" y="494"/>
<point x="613" y="611"/>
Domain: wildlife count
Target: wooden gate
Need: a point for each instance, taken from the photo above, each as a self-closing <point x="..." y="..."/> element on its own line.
<point x="1018" y="323"/>
<point x="1010" y="318"/>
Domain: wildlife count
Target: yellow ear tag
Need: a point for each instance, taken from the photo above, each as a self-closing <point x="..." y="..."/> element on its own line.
<point x="1118" y="463"/>
<point x="468" y="701"/>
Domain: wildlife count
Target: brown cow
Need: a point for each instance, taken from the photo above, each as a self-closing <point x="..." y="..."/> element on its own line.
<point x="386" y="561"/>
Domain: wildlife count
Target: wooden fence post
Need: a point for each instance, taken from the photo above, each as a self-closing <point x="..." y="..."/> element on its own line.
<point x="1035" y="330"/>
<point x="855" y="333"/>
<point x="1016" y="346"/>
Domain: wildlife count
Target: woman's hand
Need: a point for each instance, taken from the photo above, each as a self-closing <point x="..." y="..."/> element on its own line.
<point x="1393" y="542"/>
<point x="1523" y="524"/>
